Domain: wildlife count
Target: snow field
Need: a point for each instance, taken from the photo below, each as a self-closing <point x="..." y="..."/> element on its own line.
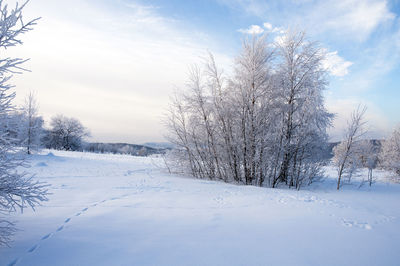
<point x="124" y="210"/>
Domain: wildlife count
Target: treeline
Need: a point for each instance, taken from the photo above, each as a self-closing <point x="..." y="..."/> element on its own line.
<point x="123" y="148"/>
<point x="27" y="129"/>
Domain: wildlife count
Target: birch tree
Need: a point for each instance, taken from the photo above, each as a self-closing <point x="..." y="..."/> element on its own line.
<point x="252" y="90"/>
<point x="347" y="157"/>
<point x="302" y="114"/>
<point x="390" y="154"/>
<point x="369" y="157"/>
<point x="264" y="125"/>
<point x="31" y="128"/>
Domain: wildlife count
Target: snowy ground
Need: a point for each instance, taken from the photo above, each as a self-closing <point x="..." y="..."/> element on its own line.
<point x="123" y="210"/>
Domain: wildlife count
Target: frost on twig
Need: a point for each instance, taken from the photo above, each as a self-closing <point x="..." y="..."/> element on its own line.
<point x="18" y="189"/>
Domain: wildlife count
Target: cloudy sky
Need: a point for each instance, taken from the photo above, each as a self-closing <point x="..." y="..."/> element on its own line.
<point x="114" y="63"/>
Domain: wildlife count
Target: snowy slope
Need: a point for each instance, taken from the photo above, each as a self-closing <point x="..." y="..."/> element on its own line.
<point x="124" y="210"/>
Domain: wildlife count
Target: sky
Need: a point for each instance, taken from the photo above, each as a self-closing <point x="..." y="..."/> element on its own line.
<point x="114" y="64"/>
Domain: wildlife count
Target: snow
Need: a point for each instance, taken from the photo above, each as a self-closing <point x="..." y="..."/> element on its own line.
<point x="125" y="210"/>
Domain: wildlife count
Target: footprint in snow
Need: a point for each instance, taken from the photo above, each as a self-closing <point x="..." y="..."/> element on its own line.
<point x="220" y="200"/>
<point x="312" y="199"/>
<point x="14" y="262"/>
<point x="32" y="249"/>
<point x="46" y="236"/>
<point x="283" y="201"/>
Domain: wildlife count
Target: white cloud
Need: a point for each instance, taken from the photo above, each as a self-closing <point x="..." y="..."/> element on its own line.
<point x="336" y="65"/>
<point x="349" y="19"/>
<point x="357" y="18"/>
<point x="268" y="26"/>
<point x="375" y="64"/>
<point x="253" y="29"/>
<point x="278" y="30"/>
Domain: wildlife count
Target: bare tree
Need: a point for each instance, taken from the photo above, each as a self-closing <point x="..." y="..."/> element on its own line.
<point x="18" y="190"/>
<point x="66" y="133"/>
<point x="390" y="154"/>
<point x="32" y="125"/>
<point x="369" y="153"/>
<point x="347" y="153"/>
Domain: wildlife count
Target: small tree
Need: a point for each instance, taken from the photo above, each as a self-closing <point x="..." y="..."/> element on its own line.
<point x="369" y="157"/>
<point x="66" y="133"/>
<point x="32" y="125"/>
<point x="17" y="189"/>
<point x="347" y="153"/>
<point x="390" y="154"/>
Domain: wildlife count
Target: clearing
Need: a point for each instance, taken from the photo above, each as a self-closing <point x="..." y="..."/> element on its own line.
<point x="124" y="210"/>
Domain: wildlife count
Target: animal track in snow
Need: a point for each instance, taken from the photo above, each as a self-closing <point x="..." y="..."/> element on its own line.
<point x="14" y="262"/>
<point x="60" y="228"/>
<point x="32" y="249"/>
<point x="219" y="200"/>
<point x="46" y="236"/>
<point x="378" y="218"/>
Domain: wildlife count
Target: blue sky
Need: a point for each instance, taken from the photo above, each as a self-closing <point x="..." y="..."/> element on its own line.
<point x="114" y="64"/>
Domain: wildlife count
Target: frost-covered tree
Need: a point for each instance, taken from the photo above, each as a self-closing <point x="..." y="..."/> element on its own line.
<point x="265" y="125"/>
<point x="347" y="154"/>
<point x="17" y="189"/>
<point x="31" y="125"/>
<point x="302" y="116"/>
<point x="252" y="90"/>
<point x="369" y="152"/>
<point x="390" y="154"/>
<point x="66" y="133"/>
